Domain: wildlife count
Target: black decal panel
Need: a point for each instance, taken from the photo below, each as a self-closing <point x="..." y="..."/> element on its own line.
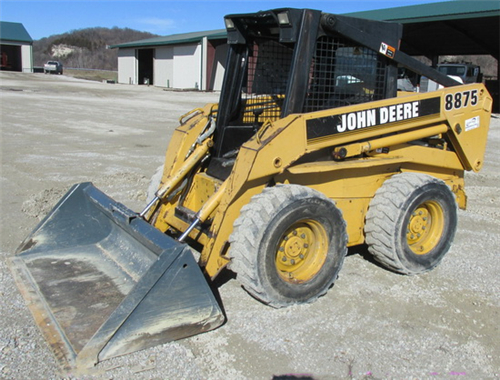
<point x="370" y="118"/>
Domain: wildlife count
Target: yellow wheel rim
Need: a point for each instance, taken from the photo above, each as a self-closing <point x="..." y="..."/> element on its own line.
<point x="425" y="227"/>
<point x="302" y="251"/>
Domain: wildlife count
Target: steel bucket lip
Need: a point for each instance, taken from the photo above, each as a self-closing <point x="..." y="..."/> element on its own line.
<point x="167" y="258"/>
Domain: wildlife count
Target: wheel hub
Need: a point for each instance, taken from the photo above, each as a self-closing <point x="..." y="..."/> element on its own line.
<point x="294" y="247"/>
<point x="302" y="251"/>
<point x="425" y="227"/>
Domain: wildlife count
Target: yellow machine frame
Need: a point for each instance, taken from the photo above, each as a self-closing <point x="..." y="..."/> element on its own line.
<point x="347" y="167"/>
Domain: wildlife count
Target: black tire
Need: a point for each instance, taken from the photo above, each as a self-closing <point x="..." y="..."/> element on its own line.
<point x="411" y="223"/>
<point x="288" y="245"/>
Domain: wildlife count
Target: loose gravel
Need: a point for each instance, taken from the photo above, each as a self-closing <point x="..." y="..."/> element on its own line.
<point x="57" y="131"/>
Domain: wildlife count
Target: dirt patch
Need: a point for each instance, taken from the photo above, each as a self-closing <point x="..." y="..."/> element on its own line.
<point x="39" y="205"/>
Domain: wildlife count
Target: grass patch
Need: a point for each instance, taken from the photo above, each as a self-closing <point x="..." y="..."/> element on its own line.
<point x="95" y="75"/>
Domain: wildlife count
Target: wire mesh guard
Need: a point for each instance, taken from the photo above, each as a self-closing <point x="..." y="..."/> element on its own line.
<point x="268" y="69"/>
<point x="340" y="74"/>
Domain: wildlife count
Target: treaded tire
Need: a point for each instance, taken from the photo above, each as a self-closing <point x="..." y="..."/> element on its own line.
<point x="288" y="245"/>
<point x="411" y="223"/>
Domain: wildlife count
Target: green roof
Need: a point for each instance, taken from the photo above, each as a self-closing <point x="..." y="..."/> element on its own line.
<point x="446" y="10"/>
<point x="14" y="31"/>
<point x="478" y="18"/>
<point x="175" y="39"/>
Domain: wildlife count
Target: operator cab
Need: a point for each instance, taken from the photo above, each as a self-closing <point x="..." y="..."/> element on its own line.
<point x="294" y="61"/>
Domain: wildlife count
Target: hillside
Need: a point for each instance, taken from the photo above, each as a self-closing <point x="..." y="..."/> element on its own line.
<point x="85" y="48"/>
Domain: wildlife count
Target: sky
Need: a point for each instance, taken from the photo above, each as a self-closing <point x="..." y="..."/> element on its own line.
<point x="164" y="17"/>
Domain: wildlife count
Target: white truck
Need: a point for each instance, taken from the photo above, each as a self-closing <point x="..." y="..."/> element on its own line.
<point x="464" y="73"/>
<point x="55" y="67"/>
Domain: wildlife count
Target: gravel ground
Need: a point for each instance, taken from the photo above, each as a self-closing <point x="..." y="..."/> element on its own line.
<point x="57" y="131"/>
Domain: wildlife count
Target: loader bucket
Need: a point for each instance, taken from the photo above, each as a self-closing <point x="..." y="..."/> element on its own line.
<point x="101" y="282"/>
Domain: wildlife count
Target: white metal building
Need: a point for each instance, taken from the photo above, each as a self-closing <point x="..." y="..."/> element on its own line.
<point x="16" y="48"/>
<point x="182" y="61"/>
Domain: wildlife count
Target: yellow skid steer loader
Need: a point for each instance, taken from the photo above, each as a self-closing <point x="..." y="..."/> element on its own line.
<point x="310" y="150"/>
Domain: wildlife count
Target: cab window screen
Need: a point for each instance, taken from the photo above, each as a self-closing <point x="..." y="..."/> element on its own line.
<point x="268" y="69"/>
<point x="342" y="74"/>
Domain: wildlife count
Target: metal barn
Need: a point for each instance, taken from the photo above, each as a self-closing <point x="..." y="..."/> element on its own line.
<point x="182" y="61"/>
<point x="16" y="48"/>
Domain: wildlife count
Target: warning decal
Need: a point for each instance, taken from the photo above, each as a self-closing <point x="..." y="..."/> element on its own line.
<point x="387" y="50"/>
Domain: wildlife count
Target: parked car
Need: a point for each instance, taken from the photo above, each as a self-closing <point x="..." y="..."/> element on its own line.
<point x="55" y="67"/>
